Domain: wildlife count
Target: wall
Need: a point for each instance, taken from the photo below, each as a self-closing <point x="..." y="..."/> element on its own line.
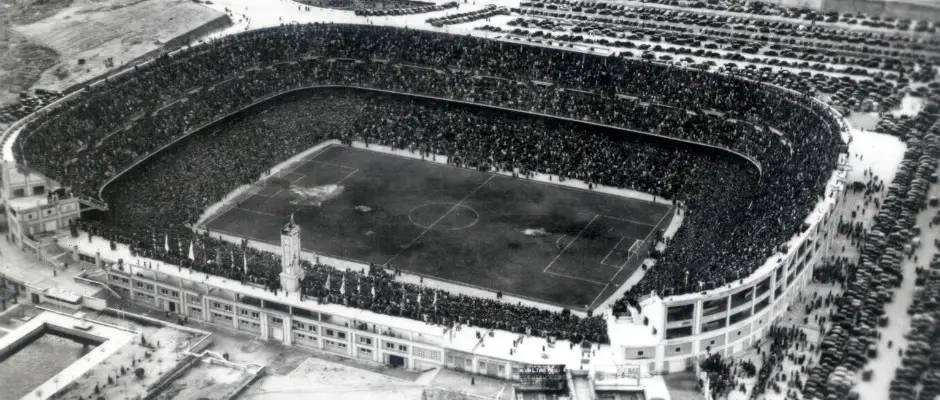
<point x="758" y="301"/>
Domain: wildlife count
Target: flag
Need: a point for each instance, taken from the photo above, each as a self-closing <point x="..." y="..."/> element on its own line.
<point x="327" y="284"/>
<point x="192" y="256"/>
<point x="245" y="263"/>
<point x="373" y="290"/>
<point x="166" y="242"/>
<point x="434" y="303"/>
<point x="342" y="287"/>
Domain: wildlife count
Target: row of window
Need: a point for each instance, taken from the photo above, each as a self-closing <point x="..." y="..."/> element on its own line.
<point x="395" y="346"/>
<point x="37" y="190"/>
<point x="249" y="313"/>
<point x="169" y="293"/>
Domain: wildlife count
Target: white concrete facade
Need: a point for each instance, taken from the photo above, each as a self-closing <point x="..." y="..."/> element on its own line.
<point x="686" y="328"/>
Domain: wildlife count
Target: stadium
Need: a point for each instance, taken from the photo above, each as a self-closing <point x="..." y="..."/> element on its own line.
<point x="337" y="186"/>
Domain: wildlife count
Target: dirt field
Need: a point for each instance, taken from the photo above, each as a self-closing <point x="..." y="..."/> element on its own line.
<point x="21" y="64"/>
<point x="55" y="44"/>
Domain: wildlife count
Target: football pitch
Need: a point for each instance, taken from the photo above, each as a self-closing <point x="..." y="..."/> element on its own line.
<point x="546" y="242"/>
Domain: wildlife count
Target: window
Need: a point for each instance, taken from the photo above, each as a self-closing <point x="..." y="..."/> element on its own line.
<point x="222" y="316"/>
<point x="716" y="306"/>
<point x="365" y="340"/>
<point x="763" y="287"/>
<point x="300" y="312"/>
<point x="426" y="353"/>
<point x="402" y="348"/>
<point x="679" y="313"/>
<point x="762" y="304"/>
<point x="38" y="190"/>
<point x="713" y="325"/>
<point x="19" y="192"/>
<point x="277" y="321"/>
<point x="672" y="333"/>
<point x="741" y="297"/>
<point x="639" y="353"/>
<point x="740" y="316"/>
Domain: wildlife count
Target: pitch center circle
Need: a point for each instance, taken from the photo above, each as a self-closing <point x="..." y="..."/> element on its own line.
<point x="443" y="216"/>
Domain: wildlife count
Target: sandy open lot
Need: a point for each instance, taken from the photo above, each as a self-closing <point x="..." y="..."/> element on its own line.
<point x="57" y="44"/>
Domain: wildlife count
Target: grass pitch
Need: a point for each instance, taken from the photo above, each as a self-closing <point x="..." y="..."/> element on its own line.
<point x="546" y="242"/>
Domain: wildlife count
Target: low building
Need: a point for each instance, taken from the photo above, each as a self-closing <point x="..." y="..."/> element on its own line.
<point x="35" y="206"/>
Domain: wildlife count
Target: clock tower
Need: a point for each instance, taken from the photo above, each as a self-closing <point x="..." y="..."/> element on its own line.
<point x="291" y="271"/>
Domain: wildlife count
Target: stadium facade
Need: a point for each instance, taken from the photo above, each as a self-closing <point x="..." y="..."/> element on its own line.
<point x="667" y="335"/>
<point x="678" y="330"/>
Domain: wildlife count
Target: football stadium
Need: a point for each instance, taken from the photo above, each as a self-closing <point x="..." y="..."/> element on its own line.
<point x="420" y="199"/>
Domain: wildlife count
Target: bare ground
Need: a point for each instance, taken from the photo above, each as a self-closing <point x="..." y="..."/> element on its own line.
<point x="56" y="44"/>
<point x="21" y="64"/>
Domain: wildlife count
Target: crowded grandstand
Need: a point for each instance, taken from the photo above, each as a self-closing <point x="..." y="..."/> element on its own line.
<point x="746" y="155"/>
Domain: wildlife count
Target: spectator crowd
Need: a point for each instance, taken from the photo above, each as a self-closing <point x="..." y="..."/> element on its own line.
<point x="768" y="153"/>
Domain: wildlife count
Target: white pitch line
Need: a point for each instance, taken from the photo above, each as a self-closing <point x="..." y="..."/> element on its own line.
<point x="574" y="277"/>
<point x="628" y="220"/>
<point x="347" y="176"/>
<point x="647" y="237"/>
<point x="598" y="295"/>
<point x="624" y="265"/>
<point x="439" y="219"/>
<point x="256" y="211"/>
<point x="557" y="256"/>
<point x="622" y="238"/>
<point x="333" y="165"/>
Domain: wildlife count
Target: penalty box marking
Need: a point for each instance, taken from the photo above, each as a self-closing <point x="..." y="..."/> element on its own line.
<point x="630" y="251"/>
<point x="618" y="267"/>
<point x="353" y="171"/>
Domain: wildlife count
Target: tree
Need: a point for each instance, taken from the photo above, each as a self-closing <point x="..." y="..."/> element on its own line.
<point x="139" y="373"/>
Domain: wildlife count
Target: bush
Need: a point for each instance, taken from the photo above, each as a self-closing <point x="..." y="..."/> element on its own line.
<point x="139" y="373"/>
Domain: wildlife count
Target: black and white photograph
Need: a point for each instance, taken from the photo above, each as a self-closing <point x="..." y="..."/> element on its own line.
<point x="469" y="199"/>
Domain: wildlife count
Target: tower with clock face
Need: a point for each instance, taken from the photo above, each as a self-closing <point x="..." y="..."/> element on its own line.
<point x="291" y="271"/>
